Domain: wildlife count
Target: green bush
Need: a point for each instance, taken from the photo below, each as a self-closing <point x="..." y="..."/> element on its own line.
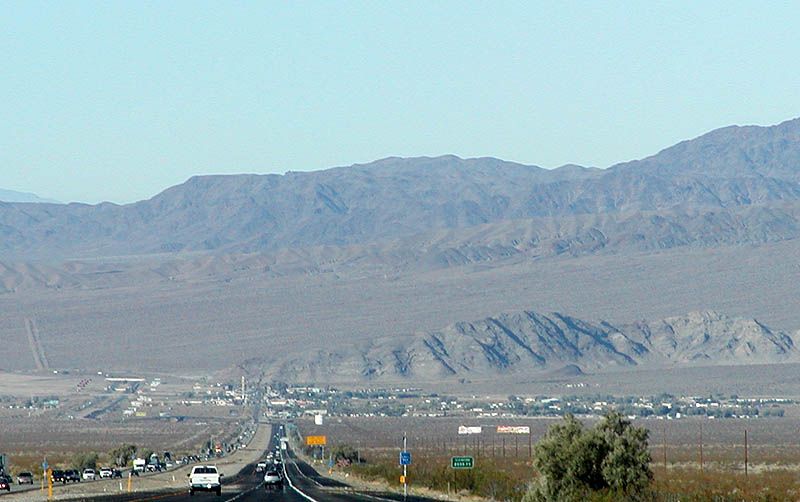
<point x="610" y="461"/>
<point x="346" y="453"/>
<point x="124" y="454"/>
<point x="85" y="460"/>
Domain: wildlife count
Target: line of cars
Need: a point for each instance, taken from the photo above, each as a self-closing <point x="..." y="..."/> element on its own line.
<point x="271" y="469"/>
<point x="208" y="479"/>
<point x="6" y="480"/>
<point x="23" y="478"/>
<point x="65" y="476"/>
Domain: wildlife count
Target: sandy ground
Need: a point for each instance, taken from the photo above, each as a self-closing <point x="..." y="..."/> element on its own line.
<point x="142" y="325"/>
<point x="41" y="384"/>
<point x="164" y="481"/>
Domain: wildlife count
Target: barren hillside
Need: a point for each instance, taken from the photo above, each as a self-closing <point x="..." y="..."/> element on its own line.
<point x="374" y="271"/>
<point x="718" y="173"/>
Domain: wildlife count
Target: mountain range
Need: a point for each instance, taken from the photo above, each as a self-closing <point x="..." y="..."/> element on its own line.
<point x="736" y="184"/>
<point x="525" y="344"/>
<point x="372" y="272"/>
<point x="14" y="196"/>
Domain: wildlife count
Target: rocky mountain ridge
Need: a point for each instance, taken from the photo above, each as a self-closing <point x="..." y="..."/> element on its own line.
<point x="726" y="171"/>
<point x="488" y="244"/>
<point x="531" y="344"/>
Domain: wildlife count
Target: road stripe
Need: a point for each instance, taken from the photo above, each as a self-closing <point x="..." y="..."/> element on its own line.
<point x="297" y="468"/>
<point x="351" y="491"/>
<point x="242" y="494"/>
<point x="291" y="485"/>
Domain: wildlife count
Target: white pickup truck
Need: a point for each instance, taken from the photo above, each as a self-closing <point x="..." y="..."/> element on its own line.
<point x="139" y="464"/>
<point x="205" y="478"/>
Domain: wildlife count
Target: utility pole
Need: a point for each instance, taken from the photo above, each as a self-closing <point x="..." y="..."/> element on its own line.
<point x="701" y="448"/>
<point x="745" y="453"/>
<point x="665" y="451"/>
<point x="405" y="471"/>
<point x="530" y="444"/>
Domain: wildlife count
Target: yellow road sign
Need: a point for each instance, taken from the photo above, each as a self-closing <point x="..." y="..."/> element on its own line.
<point x="316" y="440"/>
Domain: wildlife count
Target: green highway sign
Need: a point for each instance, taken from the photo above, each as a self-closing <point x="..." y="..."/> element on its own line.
<point x="462" y="462"/>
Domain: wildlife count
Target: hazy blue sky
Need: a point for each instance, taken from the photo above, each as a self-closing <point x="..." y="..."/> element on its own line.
<point x="118" y="100"/>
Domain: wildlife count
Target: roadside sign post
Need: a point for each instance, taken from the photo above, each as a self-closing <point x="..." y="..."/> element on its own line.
<point x="464" y="462"/>
<point x="405" y="461"/>
<point x="320" y="441"/>
<point x="405" y="455"/>
<point x="49" y="473"/>
<point x="460" y="463"/>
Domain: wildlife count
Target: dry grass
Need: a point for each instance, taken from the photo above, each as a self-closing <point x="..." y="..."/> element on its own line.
<point x="690" y="484"/>
<point x="773" y="471"/>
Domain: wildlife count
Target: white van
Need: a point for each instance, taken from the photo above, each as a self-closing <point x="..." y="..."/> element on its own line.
<point x="139" y="464"/>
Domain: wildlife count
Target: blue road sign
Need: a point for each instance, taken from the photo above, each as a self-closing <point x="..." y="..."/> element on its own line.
<point x="405" y="458"/>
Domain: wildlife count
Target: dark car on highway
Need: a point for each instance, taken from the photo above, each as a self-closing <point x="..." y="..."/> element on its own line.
<point x="58" y="476"/>
<point x="72" y="475"/>
<point x="5" y="483"/>
<point x="25" y="478"/>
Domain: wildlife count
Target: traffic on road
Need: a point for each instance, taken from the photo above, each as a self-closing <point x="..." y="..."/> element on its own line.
<point x="279" y="475"/>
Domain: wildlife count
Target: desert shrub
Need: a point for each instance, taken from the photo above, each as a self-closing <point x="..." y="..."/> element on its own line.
<point x="345" y="453"/>
<point x="85" y="460"/>
<point x="123" y="454"/>
<point x="609" y="461"/>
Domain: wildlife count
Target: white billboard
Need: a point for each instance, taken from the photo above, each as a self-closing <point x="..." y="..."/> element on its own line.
<point x="463" y="429"/>
<point x="513" y="429"/>
<point x="318" y="419"/>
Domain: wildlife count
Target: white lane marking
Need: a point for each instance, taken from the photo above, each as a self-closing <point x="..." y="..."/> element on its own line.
<point x="297" y="468"/>
<point x="242" y="494"/>
<point x="353" y="493"/>
<point x="291" y="485"/>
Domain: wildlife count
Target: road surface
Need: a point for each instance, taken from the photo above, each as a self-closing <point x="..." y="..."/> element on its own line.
<point x="304" y="485"/>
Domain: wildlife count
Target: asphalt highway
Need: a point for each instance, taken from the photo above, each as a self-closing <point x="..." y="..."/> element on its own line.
<point x="303" y="485"/>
